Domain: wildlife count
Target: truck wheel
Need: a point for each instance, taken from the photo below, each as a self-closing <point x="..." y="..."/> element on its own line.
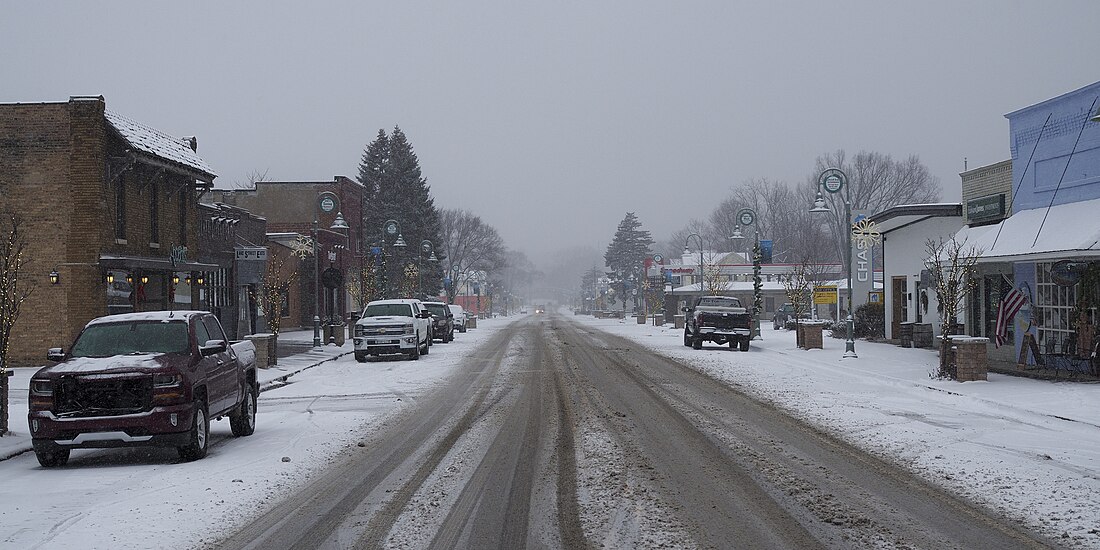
<point x="200" y="433"/>
<point x="51" y="457"/>
<point x="687" y="338"/>
<point x="696" y="342"/>
<point x="733" y="344"/>
<point x="415" y="354"/>
<point x="427" y="347"/>
<point x="744" y="344"/>
<point x="361" y="357"/>
<point x="243" y="419"/>
<point x="462" y="329"/>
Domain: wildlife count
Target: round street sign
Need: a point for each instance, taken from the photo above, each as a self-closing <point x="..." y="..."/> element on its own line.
<point x="657" y="258"/>
<point x="832" y="180"/>
<point x="746" y="216"/>
<point x="327" y="202"/>
<point x="391" y="227"/>
<point x="634" y="291"/>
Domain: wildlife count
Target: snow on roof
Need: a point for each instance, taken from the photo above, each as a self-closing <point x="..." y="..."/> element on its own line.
<point x="154" y="142"/>
<point x="1069" y="230"/>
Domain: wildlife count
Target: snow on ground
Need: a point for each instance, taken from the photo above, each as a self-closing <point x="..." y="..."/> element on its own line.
<point x="146" y="498"/>
<point x="1028" y="448"/>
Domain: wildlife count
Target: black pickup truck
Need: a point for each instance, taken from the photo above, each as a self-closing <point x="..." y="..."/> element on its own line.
<point x="719" y="319"/>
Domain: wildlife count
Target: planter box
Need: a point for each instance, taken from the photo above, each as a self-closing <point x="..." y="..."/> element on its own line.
<point x="658" y="319"/>
<point x="641" y="319"/>
<point x="971" y="361"/>
<point x="678" y="321"/>
<point x="265" y="349"/>
<point x="809" y="335"/>
<point x="922" y="335"/>
<point x="905" y="334"/>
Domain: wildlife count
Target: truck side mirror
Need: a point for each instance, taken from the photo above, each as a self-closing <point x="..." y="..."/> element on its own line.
<point x="55" y="354"/>
<point x="212" y="347"/>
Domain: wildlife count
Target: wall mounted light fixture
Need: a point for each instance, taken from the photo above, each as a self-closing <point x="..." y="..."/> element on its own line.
<point x="55" y="277"/>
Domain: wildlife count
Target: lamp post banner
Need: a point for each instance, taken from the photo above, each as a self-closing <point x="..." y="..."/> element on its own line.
<point x="863" y="273"/>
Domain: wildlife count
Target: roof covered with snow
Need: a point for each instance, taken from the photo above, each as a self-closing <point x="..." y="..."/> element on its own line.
<point x="1063" y="231"/>
<point x="150" y="141"/>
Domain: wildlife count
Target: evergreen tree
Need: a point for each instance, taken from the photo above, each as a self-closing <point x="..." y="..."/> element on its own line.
<point x="628" y="250"/>
<point x="397" y="190"/>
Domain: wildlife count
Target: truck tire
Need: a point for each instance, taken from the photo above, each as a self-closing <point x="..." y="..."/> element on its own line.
<point x="696" y="342"/>
<point x="199" y="436"/>
<point x="361" y="357"/>
<point x="415" y="354"/>
<point x="50" y="457"/>
<point x="242" y="421"/>
<point x="744" y="344"/>
<point x="462" y="329"/>
<point x="427" y="347"/>
<point x="733" y="344"/>
<point x="687" y="338"/>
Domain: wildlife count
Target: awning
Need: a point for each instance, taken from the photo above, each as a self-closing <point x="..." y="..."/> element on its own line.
<point x="155" y="264"/>
<point x="1069" y="231"/>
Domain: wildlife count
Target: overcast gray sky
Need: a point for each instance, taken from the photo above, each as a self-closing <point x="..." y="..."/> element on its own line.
<point x="551" y="120"/>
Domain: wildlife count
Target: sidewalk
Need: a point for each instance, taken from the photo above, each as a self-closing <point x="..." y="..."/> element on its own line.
<point x="18" y="441"/>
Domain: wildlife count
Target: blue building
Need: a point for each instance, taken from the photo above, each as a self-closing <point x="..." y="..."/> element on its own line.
<point x="1049" y="247"/>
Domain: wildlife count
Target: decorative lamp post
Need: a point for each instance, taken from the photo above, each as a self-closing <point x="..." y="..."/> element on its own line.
<point x="688" y="251"/>
<point x="747" y="217"/>
<point x="390" y="229"/>
<point x="426" y="247"/>
<point x="833" y="180"/>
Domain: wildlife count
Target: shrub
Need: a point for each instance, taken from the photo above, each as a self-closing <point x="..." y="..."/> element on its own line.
<point x="870" y="320"/>
<point x="838" y="329"/>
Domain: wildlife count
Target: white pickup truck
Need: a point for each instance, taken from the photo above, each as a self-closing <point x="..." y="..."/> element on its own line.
<point x="393" y="326"/>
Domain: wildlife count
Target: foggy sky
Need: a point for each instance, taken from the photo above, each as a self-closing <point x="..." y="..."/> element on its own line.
<point x="551" y="120"/>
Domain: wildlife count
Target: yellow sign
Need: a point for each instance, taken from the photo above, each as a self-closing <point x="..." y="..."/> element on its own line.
<point x="825" y="294"/>
<point x="875" y="296"/>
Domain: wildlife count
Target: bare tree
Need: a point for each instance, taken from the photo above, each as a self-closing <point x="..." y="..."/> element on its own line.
<point x="250" y="179"/>
<point x="274" y="290"/>
<point x="952" y="266"/>
<point x="469" y="244"/>
<point x="12" y="296"/>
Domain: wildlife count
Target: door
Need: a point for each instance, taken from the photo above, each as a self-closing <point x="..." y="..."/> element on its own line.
<point x="898" y="304"/>
<point x="221" y="375"/>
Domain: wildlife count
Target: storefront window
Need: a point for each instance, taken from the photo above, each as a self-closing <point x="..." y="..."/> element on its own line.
<point x="1054" y="311"/>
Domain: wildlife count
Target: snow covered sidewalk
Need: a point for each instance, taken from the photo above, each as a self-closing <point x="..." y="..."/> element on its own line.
<point x="1029" y="448"/>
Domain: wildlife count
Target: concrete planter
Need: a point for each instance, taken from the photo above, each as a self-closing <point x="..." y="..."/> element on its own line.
<point x="678" y="321"/>
<point x="641" y="319"/>
<point x="658" y="319"/>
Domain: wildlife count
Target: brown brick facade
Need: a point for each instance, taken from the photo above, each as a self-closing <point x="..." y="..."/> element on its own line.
<point x="60" y="166"/>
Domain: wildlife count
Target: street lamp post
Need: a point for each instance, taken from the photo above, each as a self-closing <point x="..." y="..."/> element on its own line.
<point x="833" y="180"/>
<point x="747" y="217"/>
<point x="426" y="247"/>
<point x="389" y="228"/>
<point x="688" y="251"/>
<point x="316" y="276"/>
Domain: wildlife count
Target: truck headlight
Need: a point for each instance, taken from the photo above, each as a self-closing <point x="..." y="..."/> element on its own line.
<point x="166" y="380"/>
<point x="41" y="387"/>
<point x="409" y="328"/>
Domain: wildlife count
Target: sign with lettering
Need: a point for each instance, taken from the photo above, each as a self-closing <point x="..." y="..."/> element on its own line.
<point x="178" y="255"/>
<point x="862" y="262"/>
<point x="825" y="294"/>
<point x="251" y="253"/>
<point x="989" y="207"/>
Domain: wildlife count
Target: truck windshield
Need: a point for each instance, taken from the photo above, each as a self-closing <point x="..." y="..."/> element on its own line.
<point x="379" y="310"/>
<point x="108" y="339"/>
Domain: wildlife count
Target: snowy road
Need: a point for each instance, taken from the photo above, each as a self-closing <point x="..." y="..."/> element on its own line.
<point x="558" y="435"/>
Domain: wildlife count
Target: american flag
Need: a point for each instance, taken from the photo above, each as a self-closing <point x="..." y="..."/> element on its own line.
<point x="1011" y="304"/>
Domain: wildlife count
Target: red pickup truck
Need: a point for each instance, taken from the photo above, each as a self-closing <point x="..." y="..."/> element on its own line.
<point x="137" y="379"/>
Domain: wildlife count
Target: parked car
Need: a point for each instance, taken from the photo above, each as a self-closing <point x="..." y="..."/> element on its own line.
<point x="443" y="325"/>
<point x="393" y="326"/>
<point x="718" y="319"/>
<point x="459" y="317"/>
<point x="540" y="309"/>
<point x="142" y="379"/>
<point x="784" y="315"/>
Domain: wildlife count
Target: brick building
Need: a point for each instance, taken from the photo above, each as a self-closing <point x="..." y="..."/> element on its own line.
<point x="233" y="239"/>
<point x="107" y="203"/>
<point x="290" y="208"/>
